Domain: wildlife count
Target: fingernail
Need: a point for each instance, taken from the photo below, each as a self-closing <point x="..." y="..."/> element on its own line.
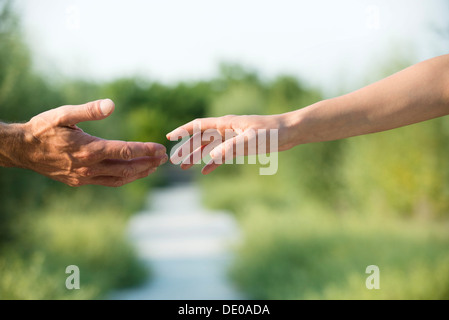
<point x="106" y="107"/>
<point x="205" y="170"/>
<point x="160" y="152"/>
<point x="174" y="135"/>
<point x="164" y="160"/>
<point x="215" y="154"/>
<point x="169" y="135"/>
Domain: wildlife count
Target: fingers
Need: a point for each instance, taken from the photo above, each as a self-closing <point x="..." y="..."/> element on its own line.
<point x="209" y="167"/>
<point x="116" y="182"/>
<point x="188" y="128"/>
<point x="193" y="143"/>
<point x="123" y="150"/>
<point x="122" y="168"/>
<point x="198" y="140"/>
<point x="238" y="146"/>
<point x="225" y="152"/>
<point x="116" y="173"/>
<point x="220" y="152"/>
<point x="95" y="110"/>
<point x="242" y="145"/>
<point x="193" y="158"/>
<point x="200" y="125"/>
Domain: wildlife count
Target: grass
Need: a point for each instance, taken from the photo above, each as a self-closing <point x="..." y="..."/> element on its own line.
<point x="73" y="230"/>
<point x="313" y="255"/>
<point x="335" y="208"/>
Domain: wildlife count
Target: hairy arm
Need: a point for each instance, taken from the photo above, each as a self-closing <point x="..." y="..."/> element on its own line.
<point x="11" y="136"/>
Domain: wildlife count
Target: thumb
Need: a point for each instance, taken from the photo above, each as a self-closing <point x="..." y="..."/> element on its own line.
<point x="95" y="110"/>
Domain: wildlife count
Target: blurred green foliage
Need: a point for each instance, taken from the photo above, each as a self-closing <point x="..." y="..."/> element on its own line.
<point x="309" y="231"/>
<point x="21" y="93"/>
<point x="333" y="208"/>
<point x="46" y="226"/>
<point x="312" y="254"/>
<point x="69" y="230"/>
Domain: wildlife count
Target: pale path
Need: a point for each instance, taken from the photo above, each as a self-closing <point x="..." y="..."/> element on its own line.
<point x="186" y="247"/>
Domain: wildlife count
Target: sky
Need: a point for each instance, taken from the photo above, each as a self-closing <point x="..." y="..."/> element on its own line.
<point x="330" y="44"/>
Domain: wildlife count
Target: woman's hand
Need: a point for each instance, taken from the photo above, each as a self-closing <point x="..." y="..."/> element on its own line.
<point x="225" y="138"/>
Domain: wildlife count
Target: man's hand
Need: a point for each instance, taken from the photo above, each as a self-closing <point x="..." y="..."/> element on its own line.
<point x="52" y="145"/>
<point x="236" y="134"/>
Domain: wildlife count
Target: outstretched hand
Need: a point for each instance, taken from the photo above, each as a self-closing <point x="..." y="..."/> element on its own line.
<point x="52" y="145"/>
<point x="235" y="136"/>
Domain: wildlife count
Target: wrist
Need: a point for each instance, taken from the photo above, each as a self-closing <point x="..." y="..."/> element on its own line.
<point x="11" y="144"/>
<point x="302" y="126"/>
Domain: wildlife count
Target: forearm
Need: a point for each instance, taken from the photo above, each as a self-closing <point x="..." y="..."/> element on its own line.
<point x="416" y="94"/>
<point x="11" y="136"/>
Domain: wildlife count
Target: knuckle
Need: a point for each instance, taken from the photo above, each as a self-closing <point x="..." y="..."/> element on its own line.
<point x="58" y="116"/>
<point x="221" y="121"/>
<point x="128" y="172"/>
<point x="228" y="148"/>
<point x="93" y="111"/>
<point x="251" y="133"/>
<point x="126" y="153"/>
<point x="75" y="183"/>
<point x="196" y="123"/>
<point x="118" y="183"/>
<point x="87" y="156"/>
<point x="224" y="122"/>
<point x="85" y="172"/>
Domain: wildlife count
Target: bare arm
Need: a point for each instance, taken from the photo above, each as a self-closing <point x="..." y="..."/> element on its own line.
<point x="10" y="135"/>
<point x="418" y="93"/>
